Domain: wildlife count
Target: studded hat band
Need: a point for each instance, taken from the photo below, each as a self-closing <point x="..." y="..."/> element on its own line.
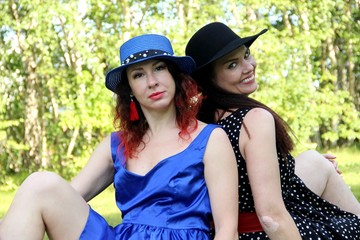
<point x="144" y="54"/>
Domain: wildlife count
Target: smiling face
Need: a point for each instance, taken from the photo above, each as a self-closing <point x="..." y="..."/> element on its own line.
<point x="152" y="84"/>
<point x="235" y="72"/>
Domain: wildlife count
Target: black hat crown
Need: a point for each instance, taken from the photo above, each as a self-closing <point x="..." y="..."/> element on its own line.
<point x="214" y="41"/>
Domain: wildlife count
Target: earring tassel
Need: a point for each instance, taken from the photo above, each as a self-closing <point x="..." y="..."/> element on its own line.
<point x="134" y="115"/>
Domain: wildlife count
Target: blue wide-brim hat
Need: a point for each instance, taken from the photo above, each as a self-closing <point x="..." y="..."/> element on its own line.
<point x="142" y="48"/>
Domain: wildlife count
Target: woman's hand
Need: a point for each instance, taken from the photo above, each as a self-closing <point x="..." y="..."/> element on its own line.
<point x="332" y="158"/>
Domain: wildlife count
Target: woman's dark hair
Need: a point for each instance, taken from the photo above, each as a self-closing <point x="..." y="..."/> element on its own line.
<point x="215" y="98"/>
<point x="187" y="101"/>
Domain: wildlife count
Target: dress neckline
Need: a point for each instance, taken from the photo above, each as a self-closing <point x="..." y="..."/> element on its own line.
<point x="163" y="161"/>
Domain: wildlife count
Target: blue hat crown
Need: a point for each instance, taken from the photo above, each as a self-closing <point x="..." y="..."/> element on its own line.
<point x="138" y="48"/>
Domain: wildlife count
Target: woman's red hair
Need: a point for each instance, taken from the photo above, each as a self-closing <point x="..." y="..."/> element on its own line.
<point x="187" y="102"/>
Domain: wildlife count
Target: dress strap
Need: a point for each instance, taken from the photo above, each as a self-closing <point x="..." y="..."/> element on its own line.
<point x="116" y="148"/>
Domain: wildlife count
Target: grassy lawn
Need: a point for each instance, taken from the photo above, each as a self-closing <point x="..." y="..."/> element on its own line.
<point x="349" y="162"/>
<point x="106" y="206"/>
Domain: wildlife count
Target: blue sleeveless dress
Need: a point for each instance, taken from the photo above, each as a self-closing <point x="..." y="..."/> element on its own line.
<point x="170" y="202"/>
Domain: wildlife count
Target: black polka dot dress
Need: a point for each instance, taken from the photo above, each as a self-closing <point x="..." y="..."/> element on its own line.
<point x="314" y="217"/>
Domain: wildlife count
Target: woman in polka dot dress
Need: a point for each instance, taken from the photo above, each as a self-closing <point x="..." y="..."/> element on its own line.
<point x="274" y="203"/>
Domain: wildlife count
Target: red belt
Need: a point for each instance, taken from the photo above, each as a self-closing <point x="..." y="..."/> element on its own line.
<point x="249" y="222"/>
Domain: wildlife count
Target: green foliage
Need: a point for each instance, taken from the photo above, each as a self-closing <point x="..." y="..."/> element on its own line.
<point x="60" y="51"/>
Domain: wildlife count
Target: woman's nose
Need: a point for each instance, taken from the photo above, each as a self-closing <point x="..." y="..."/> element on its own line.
<point x="152" y="81"/>
<point x="249" y="66"/>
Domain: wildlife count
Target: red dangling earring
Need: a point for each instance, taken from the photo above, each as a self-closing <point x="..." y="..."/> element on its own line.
<point x="134" y="115"/>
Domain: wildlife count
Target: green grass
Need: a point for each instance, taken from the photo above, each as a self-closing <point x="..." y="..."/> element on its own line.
<point x="5" y="200"/>
<point x="104" y="203"/>
<point x="349" y="164"/>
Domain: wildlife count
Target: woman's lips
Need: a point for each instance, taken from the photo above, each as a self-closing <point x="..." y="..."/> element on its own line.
<point x="156" y="95"/>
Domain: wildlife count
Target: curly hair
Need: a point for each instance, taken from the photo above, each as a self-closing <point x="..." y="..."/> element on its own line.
<point x="187" y="102"/>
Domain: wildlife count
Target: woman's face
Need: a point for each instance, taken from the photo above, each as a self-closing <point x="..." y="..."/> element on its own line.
<point x="235" y="72"/>
<point x="152" y="84"/>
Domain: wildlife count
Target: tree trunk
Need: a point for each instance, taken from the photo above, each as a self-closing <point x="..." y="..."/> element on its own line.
<point x="32" y="125"/>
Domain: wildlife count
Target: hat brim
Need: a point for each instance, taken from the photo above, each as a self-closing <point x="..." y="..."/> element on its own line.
<point x="113" y="78"/>
<point x="247" y="41"/>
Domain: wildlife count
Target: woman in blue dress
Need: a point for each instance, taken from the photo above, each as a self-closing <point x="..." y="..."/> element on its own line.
<point x="170" y="171"/>
<point x="274" y="203"/>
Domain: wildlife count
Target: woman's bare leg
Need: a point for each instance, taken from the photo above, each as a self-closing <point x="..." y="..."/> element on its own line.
<point x="320" y="176"/>
<point x="45" y="202"/>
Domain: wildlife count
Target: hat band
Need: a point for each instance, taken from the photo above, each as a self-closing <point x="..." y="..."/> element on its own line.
<point x="144" y="54"/>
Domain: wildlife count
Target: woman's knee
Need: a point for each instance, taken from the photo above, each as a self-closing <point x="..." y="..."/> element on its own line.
<point x="309" y="155"/>
<point x="315" y="159"/>
<point x="42" y="182"/>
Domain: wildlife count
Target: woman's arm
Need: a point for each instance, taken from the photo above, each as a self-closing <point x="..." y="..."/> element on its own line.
<point x="97" y="173"/>
<point x="222" y="182"/>
<point x="258" y="147"/>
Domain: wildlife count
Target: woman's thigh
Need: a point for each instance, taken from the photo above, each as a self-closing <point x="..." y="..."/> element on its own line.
<point x="45" y="202"/>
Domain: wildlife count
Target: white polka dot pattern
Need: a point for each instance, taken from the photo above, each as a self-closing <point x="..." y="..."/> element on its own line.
<point x="314" y="217"/>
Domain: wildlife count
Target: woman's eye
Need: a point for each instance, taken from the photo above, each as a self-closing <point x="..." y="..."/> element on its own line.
<point x="137" y="75"/>
<point x="160" y="67"/>
<point x="232" y="65"/>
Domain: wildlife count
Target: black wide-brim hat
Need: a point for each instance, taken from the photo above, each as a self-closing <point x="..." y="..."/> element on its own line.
<point x="214" y="41"/>
<point x="143" y="48"/>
